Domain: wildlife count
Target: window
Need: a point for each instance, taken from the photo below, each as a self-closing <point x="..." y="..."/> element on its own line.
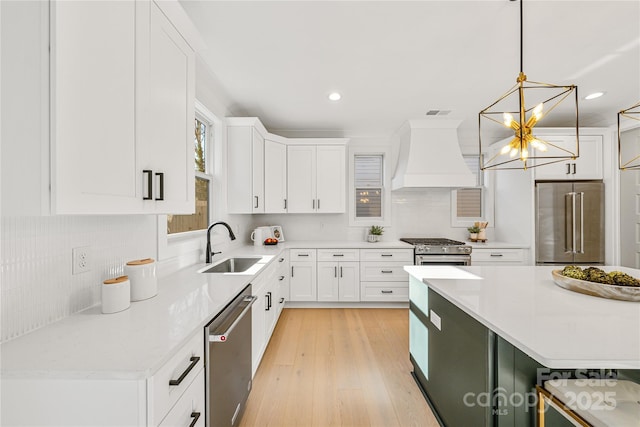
<point x="469" y="205"/>
<point x="369" y="183"/>
<point x="203" y="131"/>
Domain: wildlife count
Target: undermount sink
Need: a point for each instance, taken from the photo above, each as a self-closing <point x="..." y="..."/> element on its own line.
<point x="232" y="265"/>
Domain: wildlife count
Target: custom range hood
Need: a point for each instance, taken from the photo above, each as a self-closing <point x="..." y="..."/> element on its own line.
<point x="429" y="156"/>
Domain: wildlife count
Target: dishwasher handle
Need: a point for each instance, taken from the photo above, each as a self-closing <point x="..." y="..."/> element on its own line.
<point x="223" y="337"/>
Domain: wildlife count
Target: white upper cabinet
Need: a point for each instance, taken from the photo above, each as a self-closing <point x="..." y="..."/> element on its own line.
<point x="245" y="165"/>
<point x="589" y="165"/>
<point x="275" y="177"/>
<point x="121" y="107"/>
<point x="316" y="180"/>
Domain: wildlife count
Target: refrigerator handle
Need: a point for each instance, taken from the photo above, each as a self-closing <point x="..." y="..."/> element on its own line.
<point x="568" y="198"/>
<point x="581" y="222"/>
<point x="573" y="222"/>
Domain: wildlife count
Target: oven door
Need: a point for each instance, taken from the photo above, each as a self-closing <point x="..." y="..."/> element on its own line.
<point x="461" y="259"/>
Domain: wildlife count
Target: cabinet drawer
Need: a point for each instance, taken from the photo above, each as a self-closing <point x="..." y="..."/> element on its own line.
<point x="387" y="272"/>
<point x="189" y="407"/>
<point x="302" y="255"/>
<point x="338" y="254"/>
<point x="384" y="291"/>
<point x="497" y="255"/>
<point x="404" y="255"/>
<point x="164" y="395"/>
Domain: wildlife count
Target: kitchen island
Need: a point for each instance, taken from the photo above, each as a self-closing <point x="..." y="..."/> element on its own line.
<point x="483" y="331"/>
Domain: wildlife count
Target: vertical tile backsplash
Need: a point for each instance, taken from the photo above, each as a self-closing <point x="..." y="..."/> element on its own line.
<point x="36" y="278"/>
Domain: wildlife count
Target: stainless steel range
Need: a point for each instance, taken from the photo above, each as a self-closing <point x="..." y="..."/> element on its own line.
<point x="438" y="251"/>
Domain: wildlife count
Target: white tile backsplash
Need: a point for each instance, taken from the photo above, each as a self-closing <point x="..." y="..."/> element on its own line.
<point x="36" y="279"/>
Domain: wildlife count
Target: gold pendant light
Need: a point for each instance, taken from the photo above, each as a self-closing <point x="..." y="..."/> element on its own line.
<point x="634" y="163"/>
<point x="521" y="114"/>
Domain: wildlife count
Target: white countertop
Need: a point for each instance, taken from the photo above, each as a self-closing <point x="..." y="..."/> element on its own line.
<point x="135" y="343"/>
<point x="496" y="245"/>
<point x="558" y="328"/>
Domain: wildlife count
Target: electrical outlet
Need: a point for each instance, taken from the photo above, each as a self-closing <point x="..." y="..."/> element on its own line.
<point x="81" y="258"/>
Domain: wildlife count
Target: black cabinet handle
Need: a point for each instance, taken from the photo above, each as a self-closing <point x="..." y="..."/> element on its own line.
<point x="281" y="300"/>
<point x="496" y="255"/>
<point x="340" y="271"/>
<point x="268" y="295"/>
<point x="161" y="176"/>
<point x="292" y="271"/>
<point x="386" y="271"/>
<point x="314" y="204"/>
<point x="194" y="361"/>
<point x="574" y="168"/>
<point x="196" y="417"/>
<point x="149" y="174"/>
<point x="281" y="278"/>
<point x="303" y="254"/>
<point x="386" y="254"/>
<point x="386" y="292"/>
<point x="281" y="260"/>
<point x="335" y="271"/>
<point x="257" y="202"/>
<point x="568" y="168"/>
<point x="338" y="254"/>
<point x="318" y="204"/>
<point x="285" y="203"/>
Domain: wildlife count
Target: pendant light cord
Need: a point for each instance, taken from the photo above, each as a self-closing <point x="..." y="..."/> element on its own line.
<point x="521" y="43"/>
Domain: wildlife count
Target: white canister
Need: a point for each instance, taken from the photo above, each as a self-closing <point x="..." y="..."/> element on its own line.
<point x="142" y="274"/>
<point x="116" y="294"/>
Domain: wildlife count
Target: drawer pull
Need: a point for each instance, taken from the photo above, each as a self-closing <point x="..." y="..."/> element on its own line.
<point x="303" y="254"/>
<point x="161" y="176"/>
<point x="338" y="254"/>
<point x="196" y="417"/>
<point x="194" y="361"/>
<point x="386" y="292"/>
<point x="496" y="255"/>
<point x="386" y="254"/>
<point x="281" y="278"/>
<point x="281" y="260"/>
<point x="386" y="271"/>
<point x="281" y="300"/>
<point x="149" y="175"/>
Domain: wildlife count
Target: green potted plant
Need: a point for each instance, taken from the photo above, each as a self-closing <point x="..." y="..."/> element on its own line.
<point x="473" y="232"/>
<point x="374" y="233"/>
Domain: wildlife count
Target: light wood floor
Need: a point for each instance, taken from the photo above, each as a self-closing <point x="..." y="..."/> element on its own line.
<point x="338" y="367"/>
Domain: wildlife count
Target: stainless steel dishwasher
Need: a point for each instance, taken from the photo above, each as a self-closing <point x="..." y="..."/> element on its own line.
<point x="228" y="361"/>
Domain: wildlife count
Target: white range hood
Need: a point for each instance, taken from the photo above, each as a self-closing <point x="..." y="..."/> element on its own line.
<point x="430" y="156"/>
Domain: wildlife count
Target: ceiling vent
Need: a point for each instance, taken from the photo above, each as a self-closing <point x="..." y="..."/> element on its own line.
<point x="438" y="112"/>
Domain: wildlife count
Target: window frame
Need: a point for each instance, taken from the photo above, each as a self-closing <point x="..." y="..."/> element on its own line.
<point x="484" y="183"/>
<point x="178" y="244"/>
<point x="385" y="152"/>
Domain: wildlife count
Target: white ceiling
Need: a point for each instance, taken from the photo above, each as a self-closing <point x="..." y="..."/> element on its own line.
<point x="395" y="60"/>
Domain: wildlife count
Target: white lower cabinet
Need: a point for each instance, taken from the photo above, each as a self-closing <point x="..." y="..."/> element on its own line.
<point x="510" y="256"/>
<point x="302" y="279"/>
<point x="339" y="281"/>
<point x="161" y="399"/>
<point x="189" y="409"/>
<point x="382" y="275"/>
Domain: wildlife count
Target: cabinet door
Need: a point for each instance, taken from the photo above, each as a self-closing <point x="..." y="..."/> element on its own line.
<point x="301" y="179"/>
<point x="167" y="144"/>
<point x="302" y="282"/>
<point x="258" y="330"/>
<point x="587" y="166"/>
<point x="349" y="284"/>
<point x="93" y="129"/>
<point x="275" y="177"/>
<point x="330" y="178"/>
<point x="257" y="180"/>
<point x="328" y="281"/>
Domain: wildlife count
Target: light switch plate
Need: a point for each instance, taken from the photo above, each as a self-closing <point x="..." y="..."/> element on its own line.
<point x="435" y="319"/>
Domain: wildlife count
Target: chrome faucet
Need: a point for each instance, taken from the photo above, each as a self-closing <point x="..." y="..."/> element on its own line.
<point x="208" y="250"/>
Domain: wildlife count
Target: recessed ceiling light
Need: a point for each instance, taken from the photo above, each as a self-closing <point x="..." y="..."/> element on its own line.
<point x="335" y="96"/>
<point x="594" y="95"/>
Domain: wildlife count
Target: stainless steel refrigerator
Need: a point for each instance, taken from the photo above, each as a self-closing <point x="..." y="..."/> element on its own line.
<point x="570" y="222"/>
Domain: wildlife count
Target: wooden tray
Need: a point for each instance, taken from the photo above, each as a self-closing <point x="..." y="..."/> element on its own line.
<point x="623" y="293"/>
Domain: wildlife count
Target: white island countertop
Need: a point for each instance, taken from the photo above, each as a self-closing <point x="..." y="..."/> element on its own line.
<point x="558" y="328"/>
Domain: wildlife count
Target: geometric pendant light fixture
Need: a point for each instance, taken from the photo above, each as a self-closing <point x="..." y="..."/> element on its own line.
<point x="518" y="112"/>
<point x="628" y="156"/>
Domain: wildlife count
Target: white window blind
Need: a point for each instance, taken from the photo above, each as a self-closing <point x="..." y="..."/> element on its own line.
<point x="469" y="202"/>
<point x="368" y="181"/>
